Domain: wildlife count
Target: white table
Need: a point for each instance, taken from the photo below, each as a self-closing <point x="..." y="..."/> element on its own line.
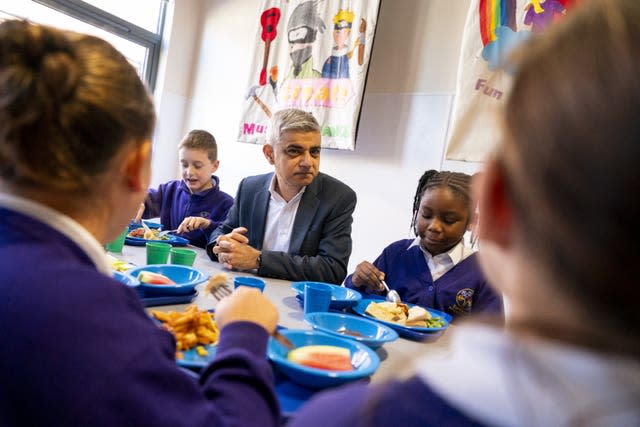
<point x="396" y="357"/>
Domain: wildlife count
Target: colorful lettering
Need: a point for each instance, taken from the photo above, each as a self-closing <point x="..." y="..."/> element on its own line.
<point x="481" y="84"/>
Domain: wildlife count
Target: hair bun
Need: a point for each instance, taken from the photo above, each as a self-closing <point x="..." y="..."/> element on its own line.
<point x="40" y="56"/>
<point x="57" y="68"/>
<point x="59" y="74"/>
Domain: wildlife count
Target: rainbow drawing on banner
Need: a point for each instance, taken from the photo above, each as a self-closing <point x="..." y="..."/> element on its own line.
<point x="494" y="14"/>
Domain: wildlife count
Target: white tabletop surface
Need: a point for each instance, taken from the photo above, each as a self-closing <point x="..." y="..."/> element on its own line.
<point x="396" y="357"/>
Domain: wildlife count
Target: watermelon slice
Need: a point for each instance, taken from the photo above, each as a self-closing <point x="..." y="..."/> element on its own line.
<point x="327" y="357"/>
<point x="154" y="278"/>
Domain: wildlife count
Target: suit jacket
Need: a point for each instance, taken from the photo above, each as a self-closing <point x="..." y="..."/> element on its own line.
<point x="320" y="243"/>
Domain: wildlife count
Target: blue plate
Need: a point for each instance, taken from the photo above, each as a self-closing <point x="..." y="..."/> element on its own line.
<point x="192" y="359"/>
<point x="149" y="224"/>
<point x="341" y="297"/>
<point x="185" y="278"/>
<point x="367" y="332"/>
<point x="171" y="239"/>
<point x="126" y="279"/>
<point x="291" y="395"/>
<point x="361" y="306"/>
<point x="154" y="300"/>
<point x="364" y="359"/>
<point x="139" y="241"/>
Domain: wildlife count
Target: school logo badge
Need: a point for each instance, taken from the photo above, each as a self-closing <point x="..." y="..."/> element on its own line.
<point x="464" y="299"/>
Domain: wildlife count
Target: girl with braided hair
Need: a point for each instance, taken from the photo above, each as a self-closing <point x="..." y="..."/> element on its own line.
<point x="435" y="269"/>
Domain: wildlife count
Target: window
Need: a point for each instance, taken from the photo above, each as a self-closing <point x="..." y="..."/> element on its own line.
<point x="134" y="27"/>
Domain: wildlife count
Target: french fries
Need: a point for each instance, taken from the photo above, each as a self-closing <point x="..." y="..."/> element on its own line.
<point x="190" y="328"/>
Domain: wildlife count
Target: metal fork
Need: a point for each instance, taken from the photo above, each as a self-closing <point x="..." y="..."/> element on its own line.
<point x="165" y="232"/>
<point x="218" y="287"/>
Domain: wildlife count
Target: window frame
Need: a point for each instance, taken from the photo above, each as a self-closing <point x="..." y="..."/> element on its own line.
<point x="106" y="21"/>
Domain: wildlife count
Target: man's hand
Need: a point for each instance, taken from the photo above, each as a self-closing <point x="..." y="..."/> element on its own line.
<point x="233" y="250"/>
<point x="191" y="223"/>
<point x="367" y="275"/>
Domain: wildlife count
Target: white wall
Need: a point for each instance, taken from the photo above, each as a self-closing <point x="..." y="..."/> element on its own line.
<point x="404" y="116"/>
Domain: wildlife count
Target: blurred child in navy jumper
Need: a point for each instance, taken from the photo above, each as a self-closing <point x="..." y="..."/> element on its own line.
<point x="194" y="205"/>
<point x="435" y="269"/>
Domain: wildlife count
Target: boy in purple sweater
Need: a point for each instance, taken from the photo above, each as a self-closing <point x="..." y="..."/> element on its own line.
<point x="435" y="269"/>
<point x="195" y="205"/>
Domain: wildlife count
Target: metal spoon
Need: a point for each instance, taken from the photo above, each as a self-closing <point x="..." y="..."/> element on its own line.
<point x="392" y="295"/>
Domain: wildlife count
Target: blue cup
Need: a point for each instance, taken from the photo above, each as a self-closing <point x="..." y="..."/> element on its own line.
<point x="317" y="298"/>
<point x="251" y="282"/>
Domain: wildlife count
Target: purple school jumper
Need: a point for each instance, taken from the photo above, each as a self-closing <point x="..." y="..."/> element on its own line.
<point x="460" y="291"/>
<point x="78" y="349"/>
<point x="173" y="202"/>
<point x="401" y="404"/>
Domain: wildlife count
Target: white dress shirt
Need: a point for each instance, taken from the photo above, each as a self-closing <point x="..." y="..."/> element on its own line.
<point x="280" y="218"/>
<point x="62" y="223"/>
<point x="441" y="263"/>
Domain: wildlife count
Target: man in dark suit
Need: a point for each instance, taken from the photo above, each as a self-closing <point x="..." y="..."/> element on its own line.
<point x="294" y="223"/>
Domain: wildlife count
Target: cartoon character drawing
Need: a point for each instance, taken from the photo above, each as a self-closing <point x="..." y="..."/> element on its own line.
<point x="302" y="30"/>
<point x="337" y="65"/>
<point x="541" y="13"/>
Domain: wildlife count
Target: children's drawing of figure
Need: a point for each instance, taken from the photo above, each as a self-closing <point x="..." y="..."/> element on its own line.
<point x="540" y="13"/>
<point x="302" y="30"/>
<point x="337" y="65"/>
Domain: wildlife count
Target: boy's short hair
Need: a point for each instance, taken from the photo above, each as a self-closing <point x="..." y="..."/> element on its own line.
<point x="199" y="139"/>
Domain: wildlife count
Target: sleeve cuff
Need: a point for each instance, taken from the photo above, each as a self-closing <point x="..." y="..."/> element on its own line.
<point x="246" y="335"/>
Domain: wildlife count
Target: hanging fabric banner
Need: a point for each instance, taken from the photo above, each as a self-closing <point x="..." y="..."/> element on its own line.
<point x="492" y="30"/>
<point x="312" y="55"/>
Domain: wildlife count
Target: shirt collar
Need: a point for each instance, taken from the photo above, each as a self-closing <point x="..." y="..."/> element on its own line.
<point x="61" y="223"/>
<point x="455" y="254"/>
<point x="276" y="196"/>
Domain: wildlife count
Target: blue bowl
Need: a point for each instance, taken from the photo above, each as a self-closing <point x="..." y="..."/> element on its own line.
<point x="186" y="279"/>
<point x="252" y="282"/>
<point x="126" y="279"/>
<point x="341" y="297"/>
<point x="367" y="332"/>
<point x="364" y="360"/>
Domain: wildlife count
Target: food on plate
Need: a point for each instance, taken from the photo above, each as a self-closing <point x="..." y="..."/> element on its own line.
<point x="387" y="311"/>
<point x="151" y="234"/>
<point x="327" y="357"/>
<point x="117" y="264"/>
<point x="154" y="278"/>
<point x="397" y="312"/>
<point x="190" y="328"/>
<point x="202" y="352"/>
